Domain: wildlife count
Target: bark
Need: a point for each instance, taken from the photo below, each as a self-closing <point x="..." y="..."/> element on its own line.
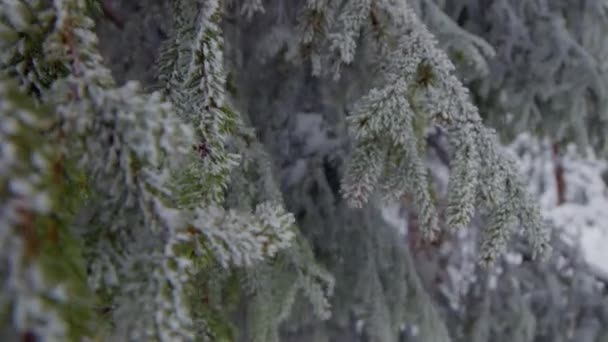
<point x="560" y="180"/>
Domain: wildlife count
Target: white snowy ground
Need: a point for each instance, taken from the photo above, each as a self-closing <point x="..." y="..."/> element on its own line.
<point x="584" y="216"/>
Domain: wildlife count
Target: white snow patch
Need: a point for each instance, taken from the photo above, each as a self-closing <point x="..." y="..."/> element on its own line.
<point x="312" y="131"/>
<point x="296" y="172"/>
<point x="392" y="215"/>
<point x="584" y="216"/>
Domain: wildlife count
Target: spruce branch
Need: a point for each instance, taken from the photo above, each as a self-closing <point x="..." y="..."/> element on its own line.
<point x="418" y="83"/>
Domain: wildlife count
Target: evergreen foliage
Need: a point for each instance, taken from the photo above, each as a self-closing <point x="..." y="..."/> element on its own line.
<point x="143" y="236"/>
<point x="417" y="88"/>
<point x="549" y="73"/>
<point x="129" y="214"/>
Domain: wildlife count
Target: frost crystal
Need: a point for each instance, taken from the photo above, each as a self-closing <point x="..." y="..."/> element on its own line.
<point x="418" y="88"/>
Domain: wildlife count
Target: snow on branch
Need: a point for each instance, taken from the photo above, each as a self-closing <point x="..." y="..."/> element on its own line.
<point x="131" y="145"/>
<point x="418" y="88"/>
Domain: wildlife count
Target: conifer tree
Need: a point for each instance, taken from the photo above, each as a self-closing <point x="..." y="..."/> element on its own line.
<point x="549" y="73"/>
<point x="237" y="197"/>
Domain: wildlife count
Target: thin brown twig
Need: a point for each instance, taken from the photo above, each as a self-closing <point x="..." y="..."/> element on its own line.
<point x="559" y="175"/>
